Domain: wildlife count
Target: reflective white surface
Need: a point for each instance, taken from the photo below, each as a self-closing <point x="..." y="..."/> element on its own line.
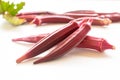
<point x="77" y="64"/>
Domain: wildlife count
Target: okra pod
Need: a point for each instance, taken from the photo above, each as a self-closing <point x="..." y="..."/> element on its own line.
<point x="68" y="43"/>
<point x="52" y="19"/>
<point x="112" y="17"/>
<point x="50" y="40"/>
<point x="99" y="44"/>
<point x="31" y="39"/>
<point x="36" y="13"/>
<point x="74" y="15"/>
<point x="82" y="12"/>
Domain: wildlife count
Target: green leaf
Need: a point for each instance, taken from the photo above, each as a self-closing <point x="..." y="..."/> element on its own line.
<point x="4" y="5"/>
<point x="1" y="5"/>
<point x="15" y="8"/>
<point x="1" y="11"/>
<point x="10" y="8"/>
<point x="20" y="6"/>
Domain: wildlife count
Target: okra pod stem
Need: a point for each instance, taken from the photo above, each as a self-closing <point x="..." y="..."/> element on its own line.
<point x="101" y="21"/>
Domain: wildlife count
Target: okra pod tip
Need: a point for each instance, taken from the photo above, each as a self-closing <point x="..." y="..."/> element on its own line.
<point x="105" y="45"/>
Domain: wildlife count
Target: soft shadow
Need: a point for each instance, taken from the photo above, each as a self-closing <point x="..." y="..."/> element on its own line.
<point x="73" y="53"/>
<point x="25" y="43"/>
<point x="8" y="26"/>
<point x="100" y="27"/>
<point x="77" y="52"/>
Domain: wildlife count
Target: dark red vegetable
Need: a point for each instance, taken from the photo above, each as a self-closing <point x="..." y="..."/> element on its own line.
<point x="99" y="44"/>
<point x="112" y="17"/>
<point x="31" y="39"/>
<point x="74" y="15"/>
<point x="51" y="40"/>
<point x="68" y="37"/>
<point x="36" y="13"/>
<point x="92" y="12"/>
<point x="90" y="42"/>
<point x="107" y="13"/>
<point x="67" y="16"/>
<point x="100" y="21"/>
<point x="38" y="20"/>
<point x="68" y="43"/>
<point x="82" y="12"/>
<point x="52" y="19"/>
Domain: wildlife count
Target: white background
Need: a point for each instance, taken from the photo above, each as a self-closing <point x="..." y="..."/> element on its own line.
<point x="78" y="64"/>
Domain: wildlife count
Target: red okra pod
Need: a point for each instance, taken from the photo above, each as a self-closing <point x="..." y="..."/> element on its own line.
<point x="98" y="20"/>
<point x="36" y="13"/>
<point x="38" y="20"/>
<point x="92" y="12"/>
<point x="68" y="43"/>
<point x="99" y="44"/>
<point x="31" y="39"/>
<point x="101" y="21"/>
<point x="51" y="40"/>
<point x="112" y="17"/>
<point x="64" y="19"/>
<point x="107" y="13"/>
<point x="51" y="19"/>
<point x="82" y="12"/>
<point x="75" y="15"/>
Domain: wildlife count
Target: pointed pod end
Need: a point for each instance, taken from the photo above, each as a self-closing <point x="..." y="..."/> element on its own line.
<point x="14" y="40"/>
<point x="42" y="59"/>
<point x="17" y="39"/>
<point x="19" y="60"/>
<point x="35" y="62"/>
<point x="106" y="45"/>
<point x="113" y="47"/>
<point x="38" y="61"/>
